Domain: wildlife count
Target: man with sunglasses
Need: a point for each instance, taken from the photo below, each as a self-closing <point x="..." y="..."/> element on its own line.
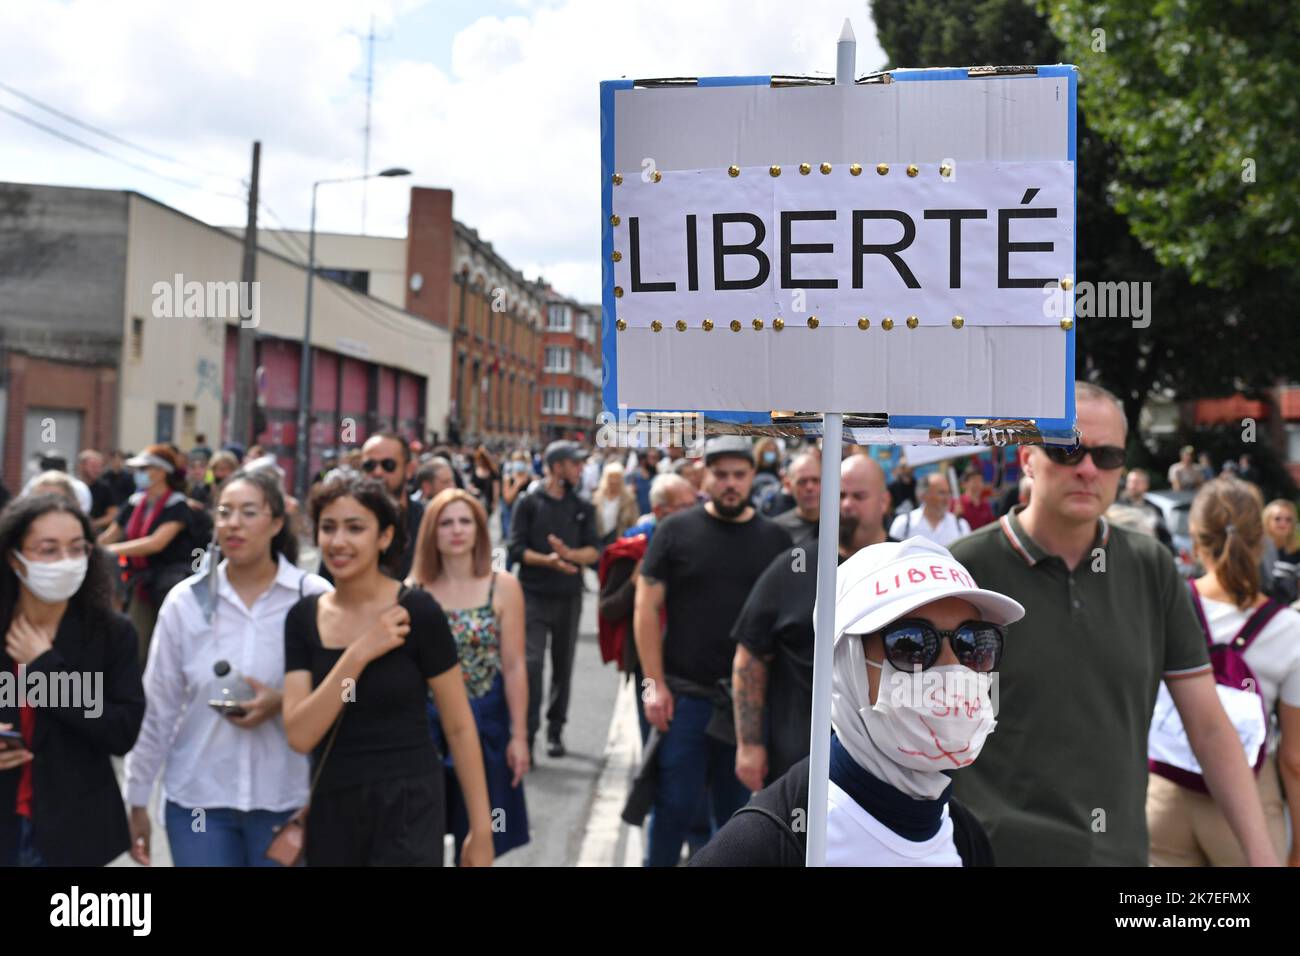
<point x="917" y="646"/>
<point x="1106" y="619"/>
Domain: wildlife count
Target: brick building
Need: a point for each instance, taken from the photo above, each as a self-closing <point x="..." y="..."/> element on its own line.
<point x="571" y="364"/>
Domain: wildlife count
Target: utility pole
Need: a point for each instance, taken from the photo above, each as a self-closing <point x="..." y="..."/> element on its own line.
<point x="370" y="85"/>
<point x="241" y="423"/>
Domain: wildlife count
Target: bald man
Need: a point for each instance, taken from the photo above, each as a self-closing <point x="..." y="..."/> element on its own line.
<point x="772" y="669"/>
<point x="803" y="482"/>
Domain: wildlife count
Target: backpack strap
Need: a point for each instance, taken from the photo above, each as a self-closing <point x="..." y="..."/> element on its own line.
<point x="1257" y="622"/>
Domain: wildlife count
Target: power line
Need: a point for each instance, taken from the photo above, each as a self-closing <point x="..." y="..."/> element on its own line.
<point x="58" y="134"/>
<point x="356" y="300"/>
<point x="68" y="118"/>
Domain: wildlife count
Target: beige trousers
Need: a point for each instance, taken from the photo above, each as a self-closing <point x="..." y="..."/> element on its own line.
<point x="1188" y="829"/>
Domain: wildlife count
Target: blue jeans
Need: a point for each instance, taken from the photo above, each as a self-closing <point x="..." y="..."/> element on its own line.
<point x="25" y="851"/>
<point x="697" y="777"/>
<point x="227" y="837"/>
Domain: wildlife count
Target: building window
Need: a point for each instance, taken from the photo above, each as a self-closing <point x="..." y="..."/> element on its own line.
<point x="555" y="401"/>
<point x="137" y="338"/>
<point x="557" y="359"/>
<point x="355" y="279"/>
<point x="189" y="425"/>
<point x="164" y="423"/>
<point x="559" y="319"/>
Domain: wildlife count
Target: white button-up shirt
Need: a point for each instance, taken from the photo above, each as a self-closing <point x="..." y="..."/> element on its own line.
<point x="211" y="762"/>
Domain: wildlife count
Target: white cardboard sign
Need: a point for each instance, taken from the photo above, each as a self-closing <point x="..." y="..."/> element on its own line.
<point x="1008" y="139"/>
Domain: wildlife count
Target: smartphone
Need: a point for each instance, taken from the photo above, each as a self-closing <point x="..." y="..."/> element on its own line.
<point x="228" y="708"/>
<point x="11" y="740"/>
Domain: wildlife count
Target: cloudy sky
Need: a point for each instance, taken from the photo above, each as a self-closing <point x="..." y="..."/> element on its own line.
<point x="494" y="99"/>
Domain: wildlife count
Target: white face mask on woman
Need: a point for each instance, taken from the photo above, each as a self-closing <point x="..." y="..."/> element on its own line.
<point x="934" y="720"/>
<point x="55" y="581"/>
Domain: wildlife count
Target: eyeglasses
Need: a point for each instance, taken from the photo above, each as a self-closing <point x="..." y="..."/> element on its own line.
<point x="388" y="464"/>
<point x="247" y="514"/>
<point x="49" y="551"/>
<point x="1105" y="457"/>
<point x="913" y="642"/>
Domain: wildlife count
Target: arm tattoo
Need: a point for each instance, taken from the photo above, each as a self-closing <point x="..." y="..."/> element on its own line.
<point x="749" y="689"/>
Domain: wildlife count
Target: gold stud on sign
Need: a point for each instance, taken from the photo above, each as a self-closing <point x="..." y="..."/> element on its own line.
<point x="882" y="168"/>
<point x="758" y="325"/>
<point x="618" y="292"/>
<point x="616" y="256"/>
<point x="778" y="324"/>
<point x="733" y="171"/>
<point x="945" y="170"/>
<point x="735" y="325"/>
<point x="681" y="325"/>
<point x="1066" y="283"/>
<point x="812" y="322"/>
<point x="958" y="321"/>
<point x="804" y="169"/>
<point x="855" y="170"/>
<point x="825" y="168"/>
<point x="913" y="321"/>
<point x="1067" y="324"/>
<point x="618" y="179"/>
<point x="656" y="176"/>
<point x="707" y="325"/>
<point x="864" y="323"/>
<point x="621" y="325"/>
<point x="656" y="326"/>
<point x="614" y="220"/>
<point x="886" y="324"/>
<point x="774" y="171"/>
<point x="912" y="170"/>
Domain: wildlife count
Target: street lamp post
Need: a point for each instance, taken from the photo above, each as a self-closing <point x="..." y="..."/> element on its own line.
<point x="305" y="370"/>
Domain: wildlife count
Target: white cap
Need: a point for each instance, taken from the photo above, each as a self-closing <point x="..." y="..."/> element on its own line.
<point x="884" y="582"/>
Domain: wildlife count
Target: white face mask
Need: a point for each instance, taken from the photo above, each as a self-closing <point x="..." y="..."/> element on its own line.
<point x="55" y="581"/>
<point x="932" y="720"/>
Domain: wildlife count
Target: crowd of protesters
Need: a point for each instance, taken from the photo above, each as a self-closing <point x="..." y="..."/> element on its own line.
<point x="394" y="686"/>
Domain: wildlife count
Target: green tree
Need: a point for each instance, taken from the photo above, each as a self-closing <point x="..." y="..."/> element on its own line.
<point x="1201" y="342"/>
<point x="1198" y="97"/>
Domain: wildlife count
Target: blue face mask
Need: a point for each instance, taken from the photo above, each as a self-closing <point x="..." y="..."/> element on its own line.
<point x="142" y="480"/>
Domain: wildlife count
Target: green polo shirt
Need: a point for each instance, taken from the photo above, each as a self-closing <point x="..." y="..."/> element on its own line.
<point x="1062" y="780"/>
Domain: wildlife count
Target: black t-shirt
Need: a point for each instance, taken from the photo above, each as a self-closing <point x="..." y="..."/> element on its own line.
<point x="102" y="497"/>
<point x="709" y="566"/>
<point x="776" y="625"/>
<point x="537" y="515"/>
<point x="801" y="531"/>
<point x="384" y="732"/>
<point x="484" y="488"/>
<point x="900" y="491"/>
<point x="180" y="550"/>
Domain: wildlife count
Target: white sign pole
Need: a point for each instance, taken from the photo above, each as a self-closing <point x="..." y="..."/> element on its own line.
<point x="828" y="542"/>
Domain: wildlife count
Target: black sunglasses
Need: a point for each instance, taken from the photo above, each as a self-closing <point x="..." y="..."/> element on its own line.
<point x="370" y="464"/>
<point x="1106" y="457"/>
<point x="913" y="642"/>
